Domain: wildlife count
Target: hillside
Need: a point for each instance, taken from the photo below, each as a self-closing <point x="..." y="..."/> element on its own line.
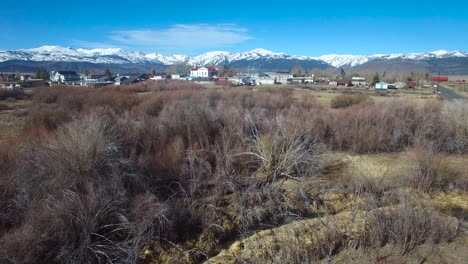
<point x="53" y="57"/>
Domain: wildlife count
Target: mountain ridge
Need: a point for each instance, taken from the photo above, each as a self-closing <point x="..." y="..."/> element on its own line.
<point x="259" y="58"/>
<point x="120" y="56"/>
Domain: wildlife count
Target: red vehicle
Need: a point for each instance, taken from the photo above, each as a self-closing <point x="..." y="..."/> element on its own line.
<point x="440" y="78"/>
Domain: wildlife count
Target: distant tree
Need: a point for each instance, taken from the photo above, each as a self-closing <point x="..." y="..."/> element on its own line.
<point x="179" y="68"/>
<point x="342" y="73"/>
<point x="376" y="78"/>
<point x="86" y="73"/>
<point x="17" y="76"/>
<point x="316" y="72"/>
<point x="224" y="70"/>
<point x="329" y="72"/>
<point x="42" y="73"/>
<point x="427" y="77"/>
<point x="297" y="71"/>
<point x="154" y="72"/>
<point x="108" y="74"/>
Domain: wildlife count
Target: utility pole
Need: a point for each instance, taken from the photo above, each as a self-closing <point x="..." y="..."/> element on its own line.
<point x="438" y="81"/>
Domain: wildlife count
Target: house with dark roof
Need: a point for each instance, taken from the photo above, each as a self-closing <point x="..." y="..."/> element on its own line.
<point x="64" y="76"/>
<point x="121" y="80"/>
<point x="158" y="76"/>
<point x="203" y="72"/>
<point x="12" y="78"/>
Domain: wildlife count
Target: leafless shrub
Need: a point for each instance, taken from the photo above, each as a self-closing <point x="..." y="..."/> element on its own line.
<point x="12" y="93"/>
<point x="91" y="228"/>
<point x="346" y="100"/>
<point x="283" y="153"/>
<point x="455" y="126"/>
<point x="431" y="172"/>
<point x="406" y="227"/>
<point x="51" y="120"/>
<point x="13" y="201"/>
<point x="82" y="149"/>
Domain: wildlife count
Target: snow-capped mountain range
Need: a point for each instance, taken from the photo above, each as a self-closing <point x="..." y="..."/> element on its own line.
<point x="354" y="60"/>
<point x="119" y="56"/>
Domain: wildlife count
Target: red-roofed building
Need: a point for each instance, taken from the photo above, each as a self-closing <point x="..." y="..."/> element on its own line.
<point x="204" y="72"/>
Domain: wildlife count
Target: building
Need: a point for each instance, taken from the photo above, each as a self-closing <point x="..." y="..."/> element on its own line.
<point x="143" y="77"/>
<point x="280" y="77"/>
<point x="266" y="80"/>
<point x="121" y="80"/>
<point x="381" y="85"/>
<point x="11" y="78"/>
<point x="64" y="76"/>
<point x="158" y="76"/>
<point x="25" y="77"/>
<point x="359" y="81"/>
<point x="440" y="78"/>
<point x="204" y="72"/>
<point x="400" y="85"/>
<point x="343" y="82"/>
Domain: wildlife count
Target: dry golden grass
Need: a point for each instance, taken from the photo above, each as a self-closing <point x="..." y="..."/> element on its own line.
<point x="12" y="118"/>
<point x="455" y="200"/>
<point x="322" y="238"/>
<point x="325" y="97"/>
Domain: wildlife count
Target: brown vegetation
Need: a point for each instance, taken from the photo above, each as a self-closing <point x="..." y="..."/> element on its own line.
<point x="346" y="100"/>
<point x="11" y="94"/>
<point x="171" y="171"/>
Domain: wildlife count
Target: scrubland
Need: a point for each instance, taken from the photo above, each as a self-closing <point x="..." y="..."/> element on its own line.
<point x="172" y="172"/>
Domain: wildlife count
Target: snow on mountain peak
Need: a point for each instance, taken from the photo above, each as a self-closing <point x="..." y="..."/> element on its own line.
<point x="107" y="51"/>
<point x="49" y="48"/>
<point x="343" y="60"/>
<point x="440" y="52"/>
<point x="354" y="60"/>
<point x="119" y="56"/>
<point x="263" y="52"/>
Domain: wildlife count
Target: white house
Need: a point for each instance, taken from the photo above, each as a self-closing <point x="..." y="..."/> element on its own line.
<point x="64" y="76"/>
<point x="359" y="81"/>
<point x="266" y="80"/>
<point x="381" y="85"/>
<point x="204" y="72"/>
<point x="400" y="85"/>
<point x="281" y="77"/>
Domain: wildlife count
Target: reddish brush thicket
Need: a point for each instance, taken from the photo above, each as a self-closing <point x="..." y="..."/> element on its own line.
<point x="100" y="172"/>
<point x="6" y="94"/>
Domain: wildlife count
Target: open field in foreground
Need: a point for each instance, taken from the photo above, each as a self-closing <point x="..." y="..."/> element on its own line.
<point x="173" y="172"/>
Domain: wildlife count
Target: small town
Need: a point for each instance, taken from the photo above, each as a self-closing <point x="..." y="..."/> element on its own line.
<point x="211" y="76"/>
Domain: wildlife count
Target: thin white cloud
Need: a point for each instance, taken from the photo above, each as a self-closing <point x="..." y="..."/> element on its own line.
<point x="183" y="37"/>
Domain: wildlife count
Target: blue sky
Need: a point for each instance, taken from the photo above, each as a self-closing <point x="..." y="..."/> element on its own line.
<point x="309" y="28"/>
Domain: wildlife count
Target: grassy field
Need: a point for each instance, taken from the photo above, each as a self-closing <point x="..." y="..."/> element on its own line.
<point x="325" y="97"/>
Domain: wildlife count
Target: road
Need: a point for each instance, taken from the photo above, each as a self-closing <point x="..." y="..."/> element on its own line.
<point x="449" y="94"/>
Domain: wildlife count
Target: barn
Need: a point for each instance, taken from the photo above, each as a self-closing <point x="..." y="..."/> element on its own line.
<point x="439" y="78"/>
